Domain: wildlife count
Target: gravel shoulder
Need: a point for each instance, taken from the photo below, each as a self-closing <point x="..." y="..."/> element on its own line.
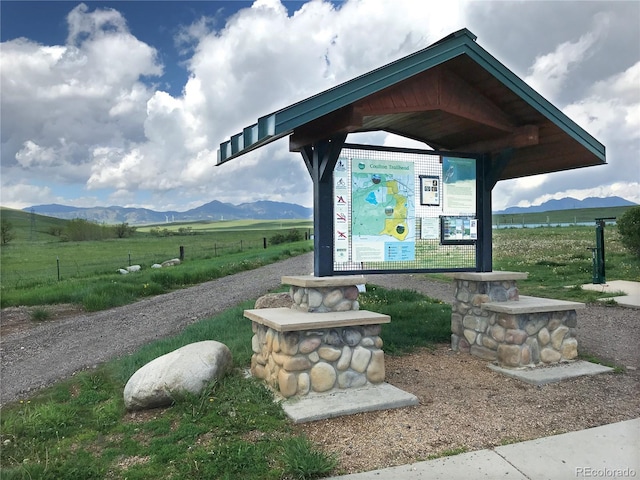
<point x="463" y="404"/>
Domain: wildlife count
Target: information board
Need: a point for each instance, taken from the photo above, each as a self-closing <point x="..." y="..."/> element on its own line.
<point x="403" y="209"/>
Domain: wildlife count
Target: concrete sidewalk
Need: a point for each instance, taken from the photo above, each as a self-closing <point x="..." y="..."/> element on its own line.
<point x="609" y="451"/>
<point x="631" y="299"/>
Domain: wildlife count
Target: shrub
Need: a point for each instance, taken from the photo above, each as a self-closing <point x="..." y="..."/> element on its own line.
<point x="79" y="230"/>
<point x="124" y="230"/>
<point x="6" y="231"/>
<point x="629" y="229"/>
<point x="292" y="235"/>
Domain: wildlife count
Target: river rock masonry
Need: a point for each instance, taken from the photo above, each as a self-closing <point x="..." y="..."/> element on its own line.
<point x="323" y="342"/>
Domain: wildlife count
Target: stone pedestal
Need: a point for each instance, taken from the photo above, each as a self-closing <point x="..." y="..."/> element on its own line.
<point x="490" y="320"/>
<point x="324" y="342"/>
<point x="324" y="294"/>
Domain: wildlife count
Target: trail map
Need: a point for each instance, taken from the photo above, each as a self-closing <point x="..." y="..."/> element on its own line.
<point x="382" y="210"/>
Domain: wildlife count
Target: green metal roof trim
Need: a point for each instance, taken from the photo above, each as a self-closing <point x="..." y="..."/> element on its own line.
<point x="283" y="122"/>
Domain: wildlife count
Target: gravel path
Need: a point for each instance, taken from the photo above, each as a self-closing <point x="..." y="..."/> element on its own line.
<point x="39" y="356"/>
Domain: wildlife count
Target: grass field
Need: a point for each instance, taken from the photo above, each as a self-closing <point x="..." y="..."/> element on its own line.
<point x="38" y="268"/>
<point x="79" y="429"/>
<point x="558" y="257"/>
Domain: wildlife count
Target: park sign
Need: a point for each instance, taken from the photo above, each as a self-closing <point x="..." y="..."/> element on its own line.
<point x="419" y="210"/>
<point x="403" y="210"/>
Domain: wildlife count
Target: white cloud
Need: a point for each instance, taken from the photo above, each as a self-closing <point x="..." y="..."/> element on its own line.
<point x="63" y="100"/>
<point x="549" y="72"/>
<point x="23" y="195"/>
<point x="84" y="113"/>
<point x="612" y="108"/>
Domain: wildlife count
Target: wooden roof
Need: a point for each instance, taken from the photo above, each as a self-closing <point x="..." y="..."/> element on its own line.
<point x="452" y="95"/>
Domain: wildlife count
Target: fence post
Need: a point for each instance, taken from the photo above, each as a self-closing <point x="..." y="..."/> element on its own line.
<point x="181" y="253"/>
<point x="129" y="258"/>
<point x="240" y="245"/>
<point x="264" y="242"/>
<point x="58" y="264"/>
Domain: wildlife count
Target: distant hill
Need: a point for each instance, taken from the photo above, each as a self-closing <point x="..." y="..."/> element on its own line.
<point x="569" y="203"/>
<point x="261" y="210"/>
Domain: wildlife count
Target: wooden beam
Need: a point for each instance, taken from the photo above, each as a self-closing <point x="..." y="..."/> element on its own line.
<point x="521" y="137"/>
<point x="341" y="121"/>
<point x="436" y="89"/>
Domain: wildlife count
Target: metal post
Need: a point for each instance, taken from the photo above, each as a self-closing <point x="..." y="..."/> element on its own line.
<point x="598" y="257"/>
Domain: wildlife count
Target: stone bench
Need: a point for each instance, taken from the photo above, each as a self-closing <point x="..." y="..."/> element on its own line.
<point x="490" y="320"/>
<point x="324" y="342"/>
<point x="301" y="352"/>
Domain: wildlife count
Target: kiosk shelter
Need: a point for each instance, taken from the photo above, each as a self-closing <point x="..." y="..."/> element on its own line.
<point x="391" y="210"/>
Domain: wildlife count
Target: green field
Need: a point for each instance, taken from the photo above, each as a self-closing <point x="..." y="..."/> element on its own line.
<point x="556" y="217"/>
<point x="36" y="256"/>
<point x="38" y="268"/>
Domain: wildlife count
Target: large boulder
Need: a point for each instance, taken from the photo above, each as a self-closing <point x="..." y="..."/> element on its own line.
<point x="187" y="369"/>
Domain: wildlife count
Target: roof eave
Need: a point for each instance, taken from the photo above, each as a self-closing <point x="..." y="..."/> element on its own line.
<point x="284" y="121"/>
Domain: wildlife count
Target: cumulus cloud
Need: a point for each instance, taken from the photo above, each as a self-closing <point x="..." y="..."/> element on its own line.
<point x="549" y="72"/>
<point x="59" y="102"/>
<point x="88" y="112"/>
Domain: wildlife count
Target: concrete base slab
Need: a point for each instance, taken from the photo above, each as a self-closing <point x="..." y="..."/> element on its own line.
<point x="318" y="406"/>
<point x="552" y="374"/>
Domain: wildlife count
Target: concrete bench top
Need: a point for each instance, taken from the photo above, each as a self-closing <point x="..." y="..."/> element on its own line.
<point x="489" y="276"/>
<point x="289" y="320"/>
<point x="532" y="305"/>
<point x="318" y="282"/>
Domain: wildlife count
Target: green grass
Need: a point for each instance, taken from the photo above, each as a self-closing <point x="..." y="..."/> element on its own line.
<point x="40" y="314"/>
<point x="106" y="290"/>
<point x="448" y="453"/>
<point x="417" y="320"/>
<point x="79" y="428"/>
<point x="559" y="257"/>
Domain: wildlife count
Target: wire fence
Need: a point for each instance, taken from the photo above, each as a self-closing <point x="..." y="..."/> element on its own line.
<point x="78" y="264"/>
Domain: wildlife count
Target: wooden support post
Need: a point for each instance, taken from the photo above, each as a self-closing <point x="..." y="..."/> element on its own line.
<point x="321" y="158"/>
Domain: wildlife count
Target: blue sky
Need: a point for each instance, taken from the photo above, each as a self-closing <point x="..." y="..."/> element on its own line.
<point x="125" y="103"/>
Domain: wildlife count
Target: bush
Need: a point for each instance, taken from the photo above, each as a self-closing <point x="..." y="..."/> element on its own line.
<point x="6" y="232"/>
<point x="291" y="236"/>
<point x="79" y="230"/>
<point x="629" y="229"/>
<point x="124" y="230"/>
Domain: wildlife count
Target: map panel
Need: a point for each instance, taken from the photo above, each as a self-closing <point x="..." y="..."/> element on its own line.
<point x="382" y="210"/>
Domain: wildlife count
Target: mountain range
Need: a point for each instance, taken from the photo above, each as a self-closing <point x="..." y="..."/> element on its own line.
<point x="265" y="210"/>
<point x="569" y="203"/>
<point x="212" y="211"/>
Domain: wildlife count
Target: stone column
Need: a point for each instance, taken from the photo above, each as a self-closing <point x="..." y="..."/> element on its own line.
<point x="469" y="322"/>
